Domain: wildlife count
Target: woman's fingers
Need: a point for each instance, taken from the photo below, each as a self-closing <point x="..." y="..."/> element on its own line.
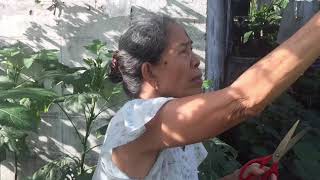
<point x="273" y="177"/>
<point x="254" y="169"/>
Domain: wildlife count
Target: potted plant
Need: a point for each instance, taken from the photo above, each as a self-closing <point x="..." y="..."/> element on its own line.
<point x="253" y="36"/>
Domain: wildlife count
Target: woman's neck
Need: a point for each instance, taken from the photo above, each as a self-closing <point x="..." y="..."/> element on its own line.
<point x="147" y="91"/>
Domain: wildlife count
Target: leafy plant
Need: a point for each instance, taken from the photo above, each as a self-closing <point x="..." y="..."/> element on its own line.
<point x="21" y="102"/>
<point x="255" y="35"/>
<point x="91" y="94"/>
<point x="207" y="84"/>
<point x="307" y="88"/>
<point x="260" y="136"/>
<point x="221" y="160"/>
<point x="64" y="168"/>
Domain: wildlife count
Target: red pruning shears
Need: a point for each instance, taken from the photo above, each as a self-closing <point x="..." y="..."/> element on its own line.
<point x="286" y="144"/>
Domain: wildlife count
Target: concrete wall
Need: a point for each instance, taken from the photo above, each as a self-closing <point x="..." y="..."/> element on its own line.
<point x="75" y="24"/>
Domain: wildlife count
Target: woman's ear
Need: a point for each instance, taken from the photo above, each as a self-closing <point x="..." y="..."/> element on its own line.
<point x="147" y="71"/>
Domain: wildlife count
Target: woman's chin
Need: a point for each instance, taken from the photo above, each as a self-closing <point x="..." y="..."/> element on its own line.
<point x="195" y="91"/>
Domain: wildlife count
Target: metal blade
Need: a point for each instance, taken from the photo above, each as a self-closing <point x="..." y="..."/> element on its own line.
<point x="282" y="147"/>
<point x="295" y="139"/>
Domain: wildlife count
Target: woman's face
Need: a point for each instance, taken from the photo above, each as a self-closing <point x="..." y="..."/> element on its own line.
<point x="178" y="72"/>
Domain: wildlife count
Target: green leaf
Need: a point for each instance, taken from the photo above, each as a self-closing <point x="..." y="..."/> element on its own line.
<point x="2" y="153"/>
<point x="59" y="169"/>
<point x="89" y="61"/>
<point x="10" y="51"/>
<point x="6" y="83"/>
<point x="15" y="140"/>
<point x="114" y="93"/>
<point x="29" y="61"/>
<point x="247" y="36"/>
<point x="207" y="84"/>
<point x="47" y="54"/>
<point x="219" y="162"/>
<point x="226" y="148"/>
<point x="58" y="76"/>
<point x="77" y="102"/>
<point x="36" y="94"/>
<point x="17" y="116"/>
<point x="95" y="46"/>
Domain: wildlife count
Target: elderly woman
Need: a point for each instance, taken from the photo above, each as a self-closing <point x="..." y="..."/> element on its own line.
<point x="158" y="134"/>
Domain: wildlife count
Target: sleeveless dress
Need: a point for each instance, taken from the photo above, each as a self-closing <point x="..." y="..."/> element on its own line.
<point x="127" y="125"/>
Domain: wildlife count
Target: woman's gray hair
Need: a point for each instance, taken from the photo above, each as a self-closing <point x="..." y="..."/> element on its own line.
<point x="144" y="41"/>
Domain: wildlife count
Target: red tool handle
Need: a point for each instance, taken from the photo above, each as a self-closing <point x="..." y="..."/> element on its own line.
<point x="263" y="161"/>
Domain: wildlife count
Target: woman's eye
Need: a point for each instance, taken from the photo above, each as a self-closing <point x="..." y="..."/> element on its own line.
<point x="183" y="51"/>
<point x="186" y="50"/>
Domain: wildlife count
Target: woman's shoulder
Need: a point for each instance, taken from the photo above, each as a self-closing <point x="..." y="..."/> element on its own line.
<point x="145" y="103"/>
<point x="136" y="113"/>
<point x="129" y="122"/>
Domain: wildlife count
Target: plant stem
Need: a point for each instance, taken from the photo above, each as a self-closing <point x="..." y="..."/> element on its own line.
<point x="15" y="166"/>
<point x="71" y="122"/>
<point x="17" y="71"/>
<point x="85" y="140"/>
<point x="93" y="147"/>
<point x="113" y="105"/>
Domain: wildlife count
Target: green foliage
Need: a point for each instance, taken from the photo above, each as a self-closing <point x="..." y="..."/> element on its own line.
<point x="263" y="22"/>
<point x="21" y="101"/>
<point x="88" y="86"/>
<point x="41" y="98"/>
<point x="255" y="35"/>
<point x="61" y="169"/>
<point x="23" y="98"/>
<point x="3" y="153"/>
<point x="207" y="84"/>
<point x="98" y="48"/>
<point x="13" y="140"/>
<point x="307" y="87"/>
<point x="17" y="116"/>
<point x="260" y="136"/>
<point x="221" y="160"/>
<point x="6" y="83"/>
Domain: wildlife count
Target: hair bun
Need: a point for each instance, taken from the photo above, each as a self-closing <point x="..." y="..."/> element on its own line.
<point x="115" y="74"/>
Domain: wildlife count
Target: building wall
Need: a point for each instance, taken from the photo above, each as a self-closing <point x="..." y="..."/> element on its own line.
<point x="75" y="24"/>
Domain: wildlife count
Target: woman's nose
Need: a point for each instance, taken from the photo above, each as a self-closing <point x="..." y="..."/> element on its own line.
<point x="195" y="61"/>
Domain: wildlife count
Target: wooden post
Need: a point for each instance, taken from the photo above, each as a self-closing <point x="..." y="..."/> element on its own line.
<point x="218" y="19"/>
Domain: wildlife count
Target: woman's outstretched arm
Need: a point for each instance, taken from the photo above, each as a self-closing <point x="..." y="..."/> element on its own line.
<point x="195" y="118"/>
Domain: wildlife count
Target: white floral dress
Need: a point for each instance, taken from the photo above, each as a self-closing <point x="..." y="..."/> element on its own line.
<point x="127" y="125"/>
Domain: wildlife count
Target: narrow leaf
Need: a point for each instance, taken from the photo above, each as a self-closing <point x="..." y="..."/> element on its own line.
<point x="37" y="94"/>
<point x="247" y="36"/>
<point x="29" y="61"/>
<point x="2" y="153"/>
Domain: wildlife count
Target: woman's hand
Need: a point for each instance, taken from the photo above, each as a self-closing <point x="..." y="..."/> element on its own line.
<point x="253" y="169"/>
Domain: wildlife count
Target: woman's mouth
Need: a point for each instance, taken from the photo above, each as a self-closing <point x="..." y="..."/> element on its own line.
<point x="197" y="79"/>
